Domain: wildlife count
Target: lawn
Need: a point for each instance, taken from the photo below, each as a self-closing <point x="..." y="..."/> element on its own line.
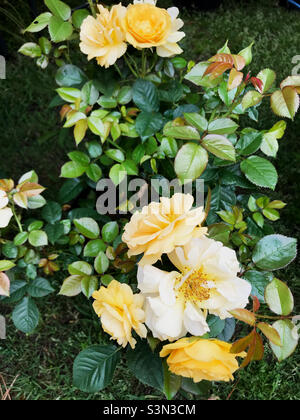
<point x="30" y="140"/>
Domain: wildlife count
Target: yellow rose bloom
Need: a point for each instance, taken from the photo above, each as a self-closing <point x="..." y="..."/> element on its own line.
<point x="148" y="26"/>
<point x="120" y="311"/>
<point x="103" y="37"/>
<point x="201" y="359"/>
<point x="160" y="227"/>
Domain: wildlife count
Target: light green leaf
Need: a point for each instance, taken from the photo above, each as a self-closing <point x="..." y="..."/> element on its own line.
<point x="59" y="30"/>
<point x="71" y="286"/>
<point x="30" y="49"/>
<point x="260" y="172"/>
<point x="190" y="162"/>
<point x="39" y="23"/>
<point x="183" y="132"/>
<point x="268" y="77"/>
<point x="59" y="9"/>
<point x="219" y="146"/>
<point x="279" y="298"/>
<point x="288" y="340"/>
<point x="72" y="170"/>
<point x="222" y="126"/>
<point x="88" y="227"/>
<point x="38" y="238"/>
<point x="274" y="252"/>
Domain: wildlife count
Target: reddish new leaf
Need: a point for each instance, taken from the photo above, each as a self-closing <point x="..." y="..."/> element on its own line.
<point x="244" y="315"/>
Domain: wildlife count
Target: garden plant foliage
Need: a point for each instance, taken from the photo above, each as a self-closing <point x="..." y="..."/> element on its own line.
<point x="169" y="283"/>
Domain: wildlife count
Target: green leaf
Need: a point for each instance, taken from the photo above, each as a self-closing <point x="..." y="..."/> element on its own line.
<point x="200" y="388"/>
<point x="196" y="120"/>
<point x="38" y="238"/>
<point x="94" y="172"/>
<point x="259" y="282"/>
<point x="249" y="142"/>
<point x="124" y="95"/>
<point x="228" y="331"/>
<point x="78" y="17"/>
<point x="59" y="9"/>
<point x="25" y="316"/>
<point x="70" y="75"/>
<point x="96" y="125"/>
<point x="93" y="248"/>
<point x="71" y="286"/>
<point x="54" y="232"/>
<point x="89" y="285"/>
<point x="148" y="123"/>
<point x="94" y="367"/>
<point x="279" y="297"/>
<point x="80" y="268"/>
<point x="94" y="149"/>
<point x="107" y="102"/>
<point x="288" y="340"/>
<point x="274" y="252"/>
<point x="70" y="190"/>
<point x="72" y="170"/>
<point x="251" y="98"/>
<point x="117" y="173"/>
<point x="115" y="154"/>
<point x="59" y="30"/>
<point x="69" y="94"/>
<point x="9" y="250"/>
<point x="219" y="146"/>
<point x="268" y="77"/>
<point x="52" y="212"/>
<point x="183" y="132"/>
<point x="219" y="232"/>
<point x="216" y="325"/>
<point x="130" y="167"/>
<point x="101" y="263"/>
<point x="79" y="157"/>
<point x="20" y="238"/>
<point x="146" y="365"/>
<point x="39" y="287"/>
<point x="260" y="172"/>
<point x="169" y="147"/>
<point x="172" y="382"/>
<point x="285" y="102"/>
<point x="145" y="96"/>
<point x="6" y="265"/>
<point x="222" y="126"/>
<point x="190" y="162"/>
<point x="39" y="23"/>
<point x="110" y="231"/>
<point x="196" y="76"/>
<point x="88" y="227"/>
<point x="30" y="49"/>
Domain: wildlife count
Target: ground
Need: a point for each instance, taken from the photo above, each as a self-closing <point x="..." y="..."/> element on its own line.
<point x="29" y="140"/>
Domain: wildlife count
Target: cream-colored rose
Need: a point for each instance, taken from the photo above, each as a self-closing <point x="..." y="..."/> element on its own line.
<point x="178" y="302"/>
<point x="103" y="37"/>
<point x="148" y="26"/>
<point x="201" y="359"/>
<point x="5" y="212"/>
<point x="120" y="311"/>
<point x="160" y="227"/>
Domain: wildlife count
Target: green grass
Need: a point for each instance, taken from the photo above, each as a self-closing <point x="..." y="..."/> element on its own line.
<point x="29" y="139"/>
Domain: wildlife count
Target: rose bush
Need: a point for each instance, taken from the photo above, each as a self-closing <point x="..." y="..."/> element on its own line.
<point x="171" y="280"/>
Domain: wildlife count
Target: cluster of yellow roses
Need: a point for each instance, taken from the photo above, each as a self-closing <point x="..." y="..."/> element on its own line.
<point x="172" y="304"/>
<point x="141" y="24"/>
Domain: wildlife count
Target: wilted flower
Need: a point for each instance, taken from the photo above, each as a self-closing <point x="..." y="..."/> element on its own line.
<point x="201" y="359"/>
<point x="103" y="37"/>
<point x="120" y="311"/>
<point x="160" y="227"/>
<point x="178" y="302"/>
<point x="149" y="26"/>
